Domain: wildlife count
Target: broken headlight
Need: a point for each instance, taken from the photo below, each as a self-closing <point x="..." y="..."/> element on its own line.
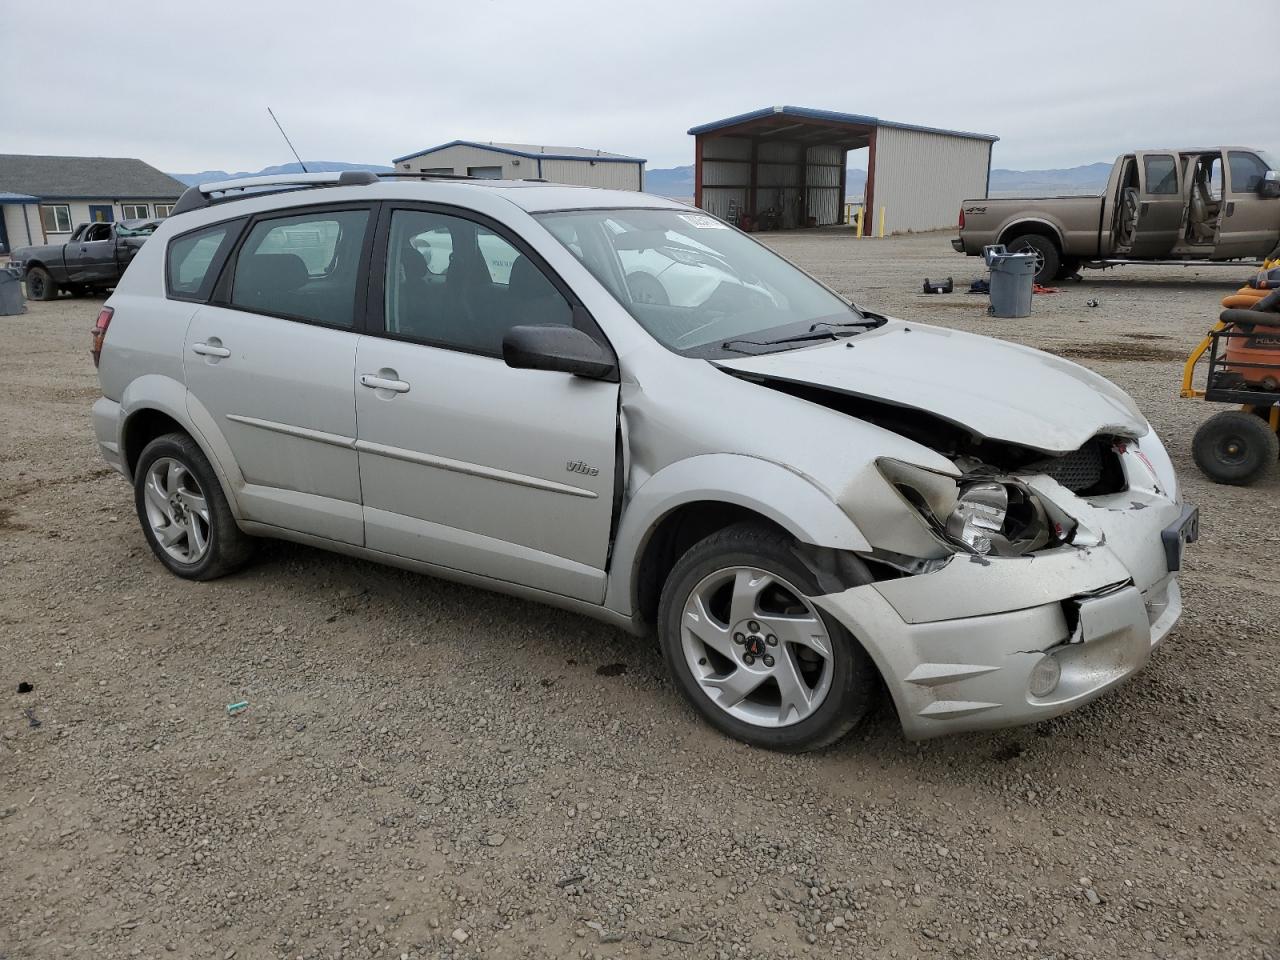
<point x="981" y="515"/>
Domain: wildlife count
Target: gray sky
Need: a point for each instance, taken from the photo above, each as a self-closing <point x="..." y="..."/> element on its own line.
<point x="185" y="86"/>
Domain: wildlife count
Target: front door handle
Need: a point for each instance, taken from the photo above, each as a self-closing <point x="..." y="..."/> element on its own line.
<point x="210" y="350"/>
<point x="374" y="382"/>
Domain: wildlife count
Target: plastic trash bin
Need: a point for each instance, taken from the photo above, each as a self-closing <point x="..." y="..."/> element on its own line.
<point x="1012" y="278"/>
<point x="12" y="301"/>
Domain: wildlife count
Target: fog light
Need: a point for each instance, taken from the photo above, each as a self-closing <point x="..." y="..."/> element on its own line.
<point x="1045" y="676"/>
<point x="979" y="512"/>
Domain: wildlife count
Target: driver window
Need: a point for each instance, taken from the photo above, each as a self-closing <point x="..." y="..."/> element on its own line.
<point x="453" y="283"/>
<point x="1247" y="172"/>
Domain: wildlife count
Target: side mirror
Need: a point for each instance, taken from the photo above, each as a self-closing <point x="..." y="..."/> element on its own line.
<point x="560" y="348"/>
<point x="1269" y="188"/>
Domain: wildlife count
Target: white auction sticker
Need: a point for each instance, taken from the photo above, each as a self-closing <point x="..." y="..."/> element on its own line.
<point x="702" y="221"/>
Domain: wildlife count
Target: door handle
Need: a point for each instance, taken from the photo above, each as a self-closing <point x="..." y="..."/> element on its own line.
<point x="1231" y="208"/>
<point x="383" y="383"/>
<point x="208" y="350"/>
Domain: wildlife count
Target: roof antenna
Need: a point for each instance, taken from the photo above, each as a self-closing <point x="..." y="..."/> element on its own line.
<point x="288" y="141"/>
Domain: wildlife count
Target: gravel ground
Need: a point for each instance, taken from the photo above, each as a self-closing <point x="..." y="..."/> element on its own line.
<point x="427" y="770"/>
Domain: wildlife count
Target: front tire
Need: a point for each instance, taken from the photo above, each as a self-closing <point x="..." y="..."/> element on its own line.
<point x="184" y="514"/>
<point x="1048" y="259"/>
<point x="1235" y="447"/>
<point x="40" y="285"/>
<point x="751" y="651"/>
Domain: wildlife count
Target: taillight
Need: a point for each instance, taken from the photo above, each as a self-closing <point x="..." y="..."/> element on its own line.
<point x="100" y="333"/>
<point x="962" y="218"/>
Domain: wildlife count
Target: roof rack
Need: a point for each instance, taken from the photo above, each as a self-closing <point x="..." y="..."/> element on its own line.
<point x="221" y="191"/>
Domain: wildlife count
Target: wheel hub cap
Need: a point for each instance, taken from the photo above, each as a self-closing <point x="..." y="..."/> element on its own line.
<point x="176" y="510"/>
<point x="756" y="647"/>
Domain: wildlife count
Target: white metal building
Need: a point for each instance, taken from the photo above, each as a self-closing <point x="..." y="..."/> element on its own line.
<point x="785" y="166"/>
<point x="525" y="161"/>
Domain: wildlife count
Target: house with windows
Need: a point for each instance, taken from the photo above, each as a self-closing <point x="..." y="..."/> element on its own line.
<point x="43" y="199"/>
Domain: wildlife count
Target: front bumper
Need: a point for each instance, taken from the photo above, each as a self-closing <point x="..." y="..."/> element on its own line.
<point x="958" y="647"/>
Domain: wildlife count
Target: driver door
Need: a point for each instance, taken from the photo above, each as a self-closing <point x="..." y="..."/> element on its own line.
<point x="1161" y="201"/>
<point x="94" y="255"/>
<point x="465" y="462"/>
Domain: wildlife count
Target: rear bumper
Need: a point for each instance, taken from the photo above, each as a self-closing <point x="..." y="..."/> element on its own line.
<point x="957" y="245"/>
<point x="106" y="430"/>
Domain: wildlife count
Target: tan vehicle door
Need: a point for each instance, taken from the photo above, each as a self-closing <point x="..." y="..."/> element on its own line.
<point x="1250" y="222"/>
<point x="1160" y="204"/>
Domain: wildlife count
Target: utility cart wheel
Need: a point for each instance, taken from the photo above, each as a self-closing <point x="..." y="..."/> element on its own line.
<point x="1235" y="447"/>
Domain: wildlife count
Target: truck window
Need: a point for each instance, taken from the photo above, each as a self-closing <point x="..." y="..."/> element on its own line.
<point x="1162" y="175"/>
<point x="1247" y="171"/>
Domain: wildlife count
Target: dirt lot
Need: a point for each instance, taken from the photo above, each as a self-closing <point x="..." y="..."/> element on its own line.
<point x="428" y="770"/>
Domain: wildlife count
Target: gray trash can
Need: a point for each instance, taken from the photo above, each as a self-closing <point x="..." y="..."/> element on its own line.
<point x="1012" y="277"/>
<point x="12" y="301"/>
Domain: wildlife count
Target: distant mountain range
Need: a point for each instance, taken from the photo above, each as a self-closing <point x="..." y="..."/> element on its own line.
<point x="678" y="181"/>
<point x="313" y="166"/>
<point x="1090" y="178"/>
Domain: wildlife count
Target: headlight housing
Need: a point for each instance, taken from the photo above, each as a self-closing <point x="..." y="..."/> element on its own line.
<point x="980" y="515"/>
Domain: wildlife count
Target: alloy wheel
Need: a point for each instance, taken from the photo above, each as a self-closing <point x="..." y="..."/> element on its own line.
<point x="757" y="647"/>
<point x="177" y="510"/>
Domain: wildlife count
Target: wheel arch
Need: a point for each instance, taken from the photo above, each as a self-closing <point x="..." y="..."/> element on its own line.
<point x="1043" y="228"/>
<point x="154" y="405"/>
<point x="692" y="499"/>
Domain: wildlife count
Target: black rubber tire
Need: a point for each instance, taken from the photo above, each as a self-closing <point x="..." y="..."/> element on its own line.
<point x="40" y="285"/>
<point x="855" y="681"/>
<point x="1235" y="447"/>
<point x="1068" y="268"/>
<point x="1042" y="247"/>
<point x="229" y="547"/>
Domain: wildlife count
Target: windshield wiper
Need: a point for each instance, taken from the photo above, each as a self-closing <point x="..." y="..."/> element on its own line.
<point x="783" y="341"/>
<point x="866" y="321"/>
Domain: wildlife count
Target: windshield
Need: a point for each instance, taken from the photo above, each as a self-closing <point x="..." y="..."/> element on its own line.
<point x="136" y="228"/>
<point x="698" y="286"/>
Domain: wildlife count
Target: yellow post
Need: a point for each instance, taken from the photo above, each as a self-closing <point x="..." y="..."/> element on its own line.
<point x="882" y="223"/>
<point x="859" y="223"/>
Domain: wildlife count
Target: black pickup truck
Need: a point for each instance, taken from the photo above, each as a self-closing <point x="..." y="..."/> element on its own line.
<point x="92" y="261"/>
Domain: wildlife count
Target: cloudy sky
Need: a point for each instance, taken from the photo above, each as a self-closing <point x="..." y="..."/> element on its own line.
<point x="186" y="86"/>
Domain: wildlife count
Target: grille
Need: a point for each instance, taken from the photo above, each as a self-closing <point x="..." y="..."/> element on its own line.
<point x="1080" y="470"/>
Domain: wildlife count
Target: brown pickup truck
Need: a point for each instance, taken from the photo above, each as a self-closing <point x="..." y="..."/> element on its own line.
<point x="1160" y="206"/>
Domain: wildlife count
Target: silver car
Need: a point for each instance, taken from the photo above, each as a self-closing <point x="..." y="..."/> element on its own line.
<point x="487" y="381"/>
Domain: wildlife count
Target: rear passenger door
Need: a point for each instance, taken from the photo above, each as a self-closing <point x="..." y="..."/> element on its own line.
<point x="1160" y="205"/>
<point x="465" y="462"/>
<point x="270" y="362"/>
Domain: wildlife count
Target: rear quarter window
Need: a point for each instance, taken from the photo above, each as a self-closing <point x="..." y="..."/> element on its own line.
<point x="194" y="259"/>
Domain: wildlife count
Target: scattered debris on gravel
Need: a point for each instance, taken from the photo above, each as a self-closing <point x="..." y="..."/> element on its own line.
<point x="428" y="770"/>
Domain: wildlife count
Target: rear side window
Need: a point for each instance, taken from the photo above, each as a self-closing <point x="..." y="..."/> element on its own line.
<point x="192" y="257"/>
<point x="302" y="267"/>
<point x="1162" y="175"/>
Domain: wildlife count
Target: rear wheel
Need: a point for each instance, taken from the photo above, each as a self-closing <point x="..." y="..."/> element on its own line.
<point x="1048" y="259"/>
<point x="40" y="285"/>
<point x="752" y="652"/>
<point x="184" y="515"/>
<point x="1235" y="447"/>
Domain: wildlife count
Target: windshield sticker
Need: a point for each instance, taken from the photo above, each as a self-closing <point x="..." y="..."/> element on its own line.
<point x="702" y="221"/>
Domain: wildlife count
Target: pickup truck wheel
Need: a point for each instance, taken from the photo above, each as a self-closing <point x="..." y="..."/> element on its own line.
<point x="752" y="652"/>
<point x="1235" y="447"/>
<point x="184" y="514"/>
<point x="40" y="285"/>
<point x="1048" y="259"/>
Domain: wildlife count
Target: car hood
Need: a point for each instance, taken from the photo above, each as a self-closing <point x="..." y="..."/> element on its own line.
<point x="997" y="390"/>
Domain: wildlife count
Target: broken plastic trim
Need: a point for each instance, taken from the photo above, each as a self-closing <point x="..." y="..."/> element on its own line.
<point x="932" y="496"/>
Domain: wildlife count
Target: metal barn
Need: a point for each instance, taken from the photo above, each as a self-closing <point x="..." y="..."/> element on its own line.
<point x="580" y="166"/>
<point x="786" y="167"/>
